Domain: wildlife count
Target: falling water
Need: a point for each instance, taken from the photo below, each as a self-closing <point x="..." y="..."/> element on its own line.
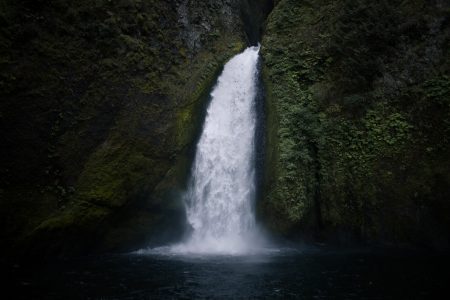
<point x="221" y="191"/>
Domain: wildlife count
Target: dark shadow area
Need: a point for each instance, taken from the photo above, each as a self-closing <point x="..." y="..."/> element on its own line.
<point x="260" y="139"/>
<point x="290" y="273"/>
<point x="254" y="14"/>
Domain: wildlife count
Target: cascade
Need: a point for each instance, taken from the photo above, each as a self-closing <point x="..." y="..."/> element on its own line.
<point x="220" y="195"/>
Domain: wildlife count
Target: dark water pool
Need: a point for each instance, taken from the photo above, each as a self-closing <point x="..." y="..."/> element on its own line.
<point x="312" y="274"/>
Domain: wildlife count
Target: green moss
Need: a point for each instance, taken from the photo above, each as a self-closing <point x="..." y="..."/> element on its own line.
<point x="349" y="133"/>
<point x="112" y="175"/>
<point x="78" y="216"/>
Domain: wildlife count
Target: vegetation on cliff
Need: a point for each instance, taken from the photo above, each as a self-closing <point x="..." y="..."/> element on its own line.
<point x="359" y="119"/>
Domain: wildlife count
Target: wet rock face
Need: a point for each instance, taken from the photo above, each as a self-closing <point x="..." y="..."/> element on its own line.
<point x="206" y="17"/>
<point x="200" y="19"/>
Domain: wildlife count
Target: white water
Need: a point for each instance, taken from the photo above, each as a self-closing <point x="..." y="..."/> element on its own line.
<point x="220" y="195"/>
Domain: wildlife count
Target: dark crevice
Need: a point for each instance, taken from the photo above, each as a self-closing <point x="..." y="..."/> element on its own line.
<point x="254" y="14"/>
<point x="260" y="137"/>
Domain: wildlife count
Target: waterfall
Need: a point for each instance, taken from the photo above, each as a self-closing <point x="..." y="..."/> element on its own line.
<point x="220" y="195"/>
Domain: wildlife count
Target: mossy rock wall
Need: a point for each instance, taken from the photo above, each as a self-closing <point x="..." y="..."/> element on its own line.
<point x="358" y="120"/>
<point x="101" y="103"/>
